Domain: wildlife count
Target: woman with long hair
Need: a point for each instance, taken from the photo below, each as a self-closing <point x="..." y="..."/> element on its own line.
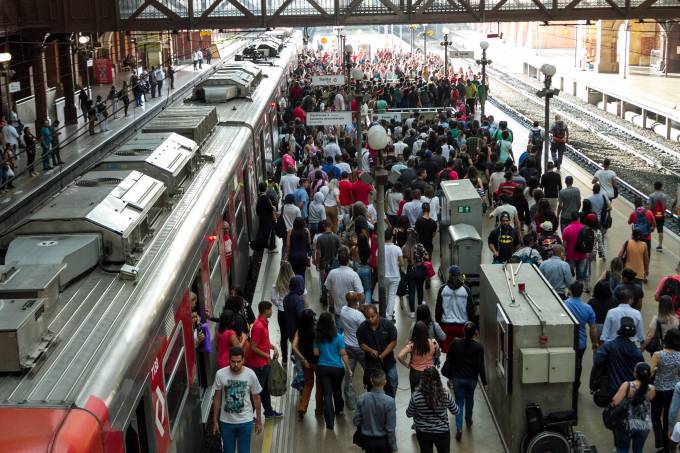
<point x="227" y="338"/>
<point x="331" y="192"/>
<point x="416" y="255"/>
<point x="422" y="350"/>
<point x="639" y="393"/>
<point x="361" y="255"/>
<point x="400" y="231"/>
<point x="279" y="291"/>
<point x="544" y="212"/>
<point x="634" y="256"/>
<point x="665" y="319"/>
<point x="427" y="407"/>
<point x="29" y="140"/>
<point x="303" y="348"/>
<point x="466" y="360"/>
<point x="329" y="347"/>
<point x="665" y="369"/>
<point x="613" y="276"/>
<point x="298" y="247"/>
<point x="434" y="330"/>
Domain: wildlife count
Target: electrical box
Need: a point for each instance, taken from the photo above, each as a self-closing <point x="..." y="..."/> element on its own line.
<point x="461" y="204"/>
<point x="535" y="365"/>
<point x="465" y="250"/>
<point x="23" y="333"/>
<point x="529" y="339"/>
<point x="562" y="365"/>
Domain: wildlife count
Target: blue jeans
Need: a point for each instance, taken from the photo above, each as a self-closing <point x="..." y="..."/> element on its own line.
<point x="236" y="434"/>
<point x="393" y="377"/>
<point x="675" y="407"/>
<point x="623" y="440"/>
<point x="580" y="268"/>
<point x="464" y="390"/>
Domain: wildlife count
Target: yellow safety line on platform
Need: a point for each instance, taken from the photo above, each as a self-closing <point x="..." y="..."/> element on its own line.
<point x="267" y="437"/>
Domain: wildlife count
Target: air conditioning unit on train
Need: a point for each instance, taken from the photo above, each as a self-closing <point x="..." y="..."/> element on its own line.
<point x="237" y="79"/>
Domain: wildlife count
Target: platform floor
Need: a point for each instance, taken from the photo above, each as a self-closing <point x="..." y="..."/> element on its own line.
<point x="310" y="434"/>
<point x="642" y="84"/>
<point x="76" y="141"/>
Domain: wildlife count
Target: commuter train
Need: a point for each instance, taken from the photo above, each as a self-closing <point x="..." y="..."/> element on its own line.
<point x="97" y="348"/>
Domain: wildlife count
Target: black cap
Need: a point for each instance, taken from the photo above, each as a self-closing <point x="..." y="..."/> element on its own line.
<point x="627" y="327"/>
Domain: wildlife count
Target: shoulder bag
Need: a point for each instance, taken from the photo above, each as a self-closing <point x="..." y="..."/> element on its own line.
<point x="613" y="416"/>
<point x="656" y="343"/>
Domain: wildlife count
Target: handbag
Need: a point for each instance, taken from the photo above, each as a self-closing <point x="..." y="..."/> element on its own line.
<point x="656" y="344"/>
<point x="402" y="288"/>
<point x="613" y="416"/>
<point x="280" y="227"/>
<point x="358" y="438"/>
<point x="429" y="269"/>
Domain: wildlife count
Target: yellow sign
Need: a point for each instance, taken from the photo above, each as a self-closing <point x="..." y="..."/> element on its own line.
<point x="205" y="33"/>
<point x="324" y="40"/>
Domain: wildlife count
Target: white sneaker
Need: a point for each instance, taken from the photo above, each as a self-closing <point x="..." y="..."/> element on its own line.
<point x="412" y="315"/>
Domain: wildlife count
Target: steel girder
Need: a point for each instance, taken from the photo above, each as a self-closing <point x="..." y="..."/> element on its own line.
<point x="212" y="14"/>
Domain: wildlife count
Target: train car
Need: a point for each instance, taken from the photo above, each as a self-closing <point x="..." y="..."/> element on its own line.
<point x="95" y="306"/>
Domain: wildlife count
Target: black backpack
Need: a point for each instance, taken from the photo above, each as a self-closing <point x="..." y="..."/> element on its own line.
<point x="599" y="384"/>
<point x="585" y="240"/>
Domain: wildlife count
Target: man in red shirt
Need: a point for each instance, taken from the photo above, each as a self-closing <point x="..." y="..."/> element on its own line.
<point x="346" y="197"/>
<point x="507" y="187"/>
<point x="577" y="260"/>
<point x="299" y="113"/>
<point x="259" y="360"/>
<point x="643" y="219"/>
<point x="361" y="189"/>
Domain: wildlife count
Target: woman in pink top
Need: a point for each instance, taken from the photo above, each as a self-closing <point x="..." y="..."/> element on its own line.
<point x="423" y="350"/>
<point x="227" y="338"/>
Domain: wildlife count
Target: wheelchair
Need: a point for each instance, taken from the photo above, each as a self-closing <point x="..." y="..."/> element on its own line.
<point x="553" y="433"/>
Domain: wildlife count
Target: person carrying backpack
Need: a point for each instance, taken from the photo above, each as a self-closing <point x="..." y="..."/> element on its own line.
<point x="658" y="203"/>
<point x="578" y="244"/>
<point x="536" y="137"/>
<point x="528" y="253"/>
<point x="642" y="219"/>
<point x="560" y="136"/>
<point x="670" y="286"/>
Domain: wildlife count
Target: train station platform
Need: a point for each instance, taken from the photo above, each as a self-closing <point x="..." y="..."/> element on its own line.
<point x="643" y="88"/>
<point x="288" y="435"/>
<point x="79" y="150"/>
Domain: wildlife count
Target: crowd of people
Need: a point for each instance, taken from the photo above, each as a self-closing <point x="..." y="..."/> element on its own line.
<point x="320" y="201"/>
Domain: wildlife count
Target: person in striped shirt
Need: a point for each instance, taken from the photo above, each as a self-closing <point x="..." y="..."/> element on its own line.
<point x="428" y="408"/>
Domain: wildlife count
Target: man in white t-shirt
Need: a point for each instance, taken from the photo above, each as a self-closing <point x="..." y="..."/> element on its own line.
<point x="289" y="182"/>
<point x="332" y="149"/>
<point x="607" y="179"/>
<point x="340" y="281"/>
<point x="232" y="410"/>
<point x="352" y="317"/>
<point x="400" y="146"/>
<point x="393" y="259"/>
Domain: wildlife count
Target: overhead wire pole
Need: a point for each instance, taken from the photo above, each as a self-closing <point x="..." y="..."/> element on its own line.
<point x="547" y="92"/>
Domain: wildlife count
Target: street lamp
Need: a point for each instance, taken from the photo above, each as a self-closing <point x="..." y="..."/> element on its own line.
<point x="84" y="50"/>
<point x="378" y="139"/>
<point x="445" y="43"/>
<point x="413" y="28"/>
<point x="5" y="58"/>
<point x="547" y="92"/>
<point x="483" y="62"/>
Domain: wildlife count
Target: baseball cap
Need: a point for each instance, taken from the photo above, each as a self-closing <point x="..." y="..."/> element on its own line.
<point x="428" y="153"/>
<point x="627" y="327"/>
<point x="454" y="270"/>
<point x="504" y="215"/>
<point x="547" y="226"/>
<point x="423" y="135"/>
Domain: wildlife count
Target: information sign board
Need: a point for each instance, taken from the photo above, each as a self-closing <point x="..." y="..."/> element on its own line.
<point x="329" y="118"/>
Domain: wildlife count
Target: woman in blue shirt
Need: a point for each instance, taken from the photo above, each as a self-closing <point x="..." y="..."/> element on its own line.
<point x="329" y="346"/>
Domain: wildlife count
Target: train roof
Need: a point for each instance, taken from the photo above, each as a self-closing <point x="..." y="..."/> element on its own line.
<point x="101" y="322"/>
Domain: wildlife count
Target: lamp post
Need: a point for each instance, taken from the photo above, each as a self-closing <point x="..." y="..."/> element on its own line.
<point x="445" y="43"/>
<point x="547" y="92"/>
<point x="483" y="62"/>
<point x="425" y="44"/>
<point x="378" y="139"/>
<point x="413" y="28"/>
<point x="84" y="50"/>
<point x="357" y="75"/>
<point x="5" y="58"/>
<point x="349" y="51"/>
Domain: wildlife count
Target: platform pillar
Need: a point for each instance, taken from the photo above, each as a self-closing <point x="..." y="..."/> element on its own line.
<point x="668" y="127"/>
<point x="607" y="38"/>
<point x="605" y="101"/>
<point x="51" y="65"/>
<point x="644" y="119"/>
<point x="66" y="79"/>
<point x="39" y="86"/>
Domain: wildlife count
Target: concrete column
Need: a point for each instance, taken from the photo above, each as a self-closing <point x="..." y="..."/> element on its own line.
<point x="574" y="88"/>
<point x="668" y="127"/>
<point x="607" y="38"/>
<point x="52" y="64"/>
<point x="644" y="119"/>
<point x="39" y="85"/>
<point x="605" y="101"/>
<point x="66" y="79"/>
